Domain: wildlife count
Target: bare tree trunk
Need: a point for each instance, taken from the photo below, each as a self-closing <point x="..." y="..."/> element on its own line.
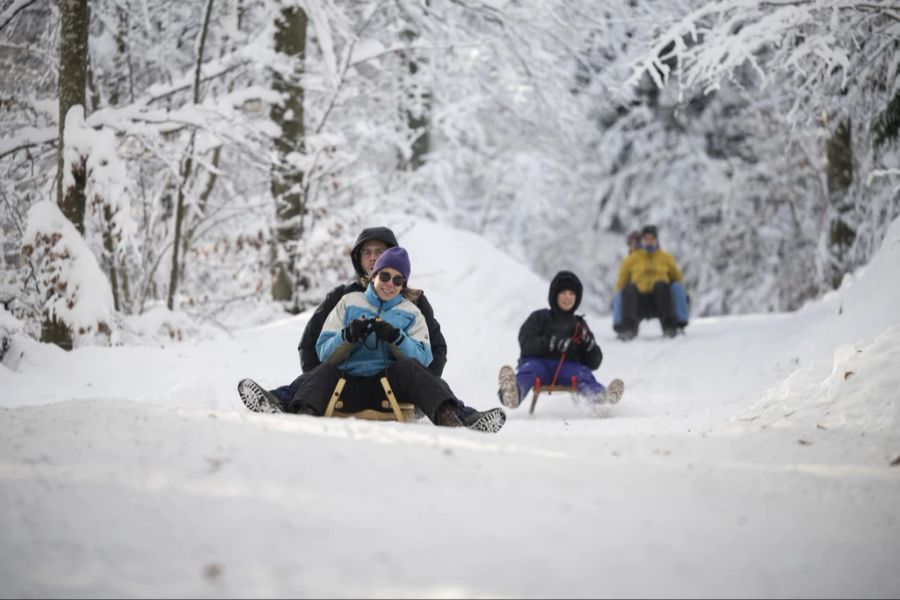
<point x="212" y="175"/>
<point x="110" y="248"/>
<point x="122" y="82"/>
<point x="202" y="204"/>
<point x="126" y="294"/>
<point x="286" y="180"/>
<point x="839" y="155"/>
<point x="187" y="164"/>
<point x="73" y="59"/>
<point x="417" y="110"/>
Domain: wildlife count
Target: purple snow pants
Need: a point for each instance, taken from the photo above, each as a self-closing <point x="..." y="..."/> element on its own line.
<point x="530" y="367"/>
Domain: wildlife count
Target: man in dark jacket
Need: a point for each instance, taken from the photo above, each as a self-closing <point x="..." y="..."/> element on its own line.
<point x="370" y="244"/>
<point x="368" y="247"/>
<point x="557" y="345"/>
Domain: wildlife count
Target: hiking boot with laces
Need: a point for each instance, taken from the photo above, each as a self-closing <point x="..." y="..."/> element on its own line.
<point x="446" y="416"/>
<point x="258" y="399"/>
<point x="614" y="391"/>
<point x="489" y="421"/>
<point x="509" y="389"/>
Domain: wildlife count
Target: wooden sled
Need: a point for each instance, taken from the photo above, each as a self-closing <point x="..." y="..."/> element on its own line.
<point x="538" y="390"/>
<point x="400" y="411"/>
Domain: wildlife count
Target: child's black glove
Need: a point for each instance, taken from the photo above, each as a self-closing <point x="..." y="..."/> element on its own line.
<point x="559" y="344"/>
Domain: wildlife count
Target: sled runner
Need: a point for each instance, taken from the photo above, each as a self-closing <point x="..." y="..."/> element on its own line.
<point x="612" y="394"/>
<point x="538" y="390"/>
<point x="400" y="411"/>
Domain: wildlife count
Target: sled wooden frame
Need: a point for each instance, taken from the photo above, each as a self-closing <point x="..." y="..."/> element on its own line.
<point x="400" y="411"/>
<point x="538" y="390"/>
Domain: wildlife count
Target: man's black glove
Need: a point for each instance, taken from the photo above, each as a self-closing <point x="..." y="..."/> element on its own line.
<point x="559" y="344"/>
<point x="356" y="330"/>
<point x="386" y="332"/>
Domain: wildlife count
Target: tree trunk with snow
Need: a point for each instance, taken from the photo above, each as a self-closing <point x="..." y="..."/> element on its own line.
<point x="73" y="59"/>
<point x="286" y="179"/>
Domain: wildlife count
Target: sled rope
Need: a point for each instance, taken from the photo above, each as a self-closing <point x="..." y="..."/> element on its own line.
<point x="576" y="339"/>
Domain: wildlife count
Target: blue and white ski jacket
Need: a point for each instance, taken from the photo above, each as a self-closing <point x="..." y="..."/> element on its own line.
<point x="371" y="355"/>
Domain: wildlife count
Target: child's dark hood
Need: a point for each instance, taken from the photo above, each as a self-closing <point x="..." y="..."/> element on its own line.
<point x="380" y="234"/>
<point x="565" y="280"/>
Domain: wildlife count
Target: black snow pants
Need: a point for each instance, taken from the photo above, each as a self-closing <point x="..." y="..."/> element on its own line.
<point x="410" y="381"/>
<point x="637" y="306"/>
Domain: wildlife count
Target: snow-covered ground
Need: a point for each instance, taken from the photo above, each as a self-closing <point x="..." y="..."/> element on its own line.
<point x="751" y="457"/>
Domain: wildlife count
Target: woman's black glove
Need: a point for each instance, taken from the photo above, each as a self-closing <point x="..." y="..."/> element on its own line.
<point x="386" y="332"/>
<point x="356" y="330"/>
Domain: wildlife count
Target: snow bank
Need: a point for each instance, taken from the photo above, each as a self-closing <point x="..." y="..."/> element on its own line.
<point x="846" y="373"/>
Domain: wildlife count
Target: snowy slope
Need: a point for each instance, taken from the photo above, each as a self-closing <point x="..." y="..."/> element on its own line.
<point x="743" y="461"/>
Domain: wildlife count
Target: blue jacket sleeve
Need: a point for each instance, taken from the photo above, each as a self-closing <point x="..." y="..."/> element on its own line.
<point x="417" y="350"/>
<point x="331" y="336"/>
<point x="414" y="341"/>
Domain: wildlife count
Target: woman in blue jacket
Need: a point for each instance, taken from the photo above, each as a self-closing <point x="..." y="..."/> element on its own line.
<point x="388" y="335"/>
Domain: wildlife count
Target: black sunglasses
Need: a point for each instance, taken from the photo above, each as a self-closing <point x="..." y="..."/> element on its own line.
<point x="385" y="276"/>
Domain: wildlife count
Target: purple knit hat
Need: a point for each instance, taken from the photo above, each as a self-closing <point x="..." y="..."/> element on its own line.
<point x="395" y="258"/>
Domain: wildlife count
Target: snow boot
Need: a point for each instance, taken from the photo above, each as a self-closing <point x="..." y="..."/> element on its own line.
<point x="614" y="391"/>
<point x="257" y="399"/>
<point x="307" y="410"/>
<point x="509" y="389"/>
<point x="446" y="416"/>
<point x="626" y="335"/>
<point x="489" y="421"/>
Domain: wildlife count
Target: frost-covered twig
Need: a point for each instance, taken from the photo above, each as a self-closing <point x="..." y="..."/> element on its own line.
<point x="14" y="9"/>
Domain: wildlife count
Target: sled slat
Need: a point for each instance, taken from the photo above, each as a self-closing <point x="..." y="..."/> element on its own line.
<point x="329" y="410"/>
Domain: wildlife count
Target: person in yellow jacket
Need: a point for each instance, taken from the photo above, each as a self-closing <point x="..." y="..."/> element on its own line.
<point x="645" y="280"/>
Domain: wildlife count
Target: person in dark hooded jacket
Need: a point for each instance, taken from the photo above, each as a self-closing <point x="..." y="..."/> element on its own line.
<point x="556" y="345"/>
<point x="369" y="246"/>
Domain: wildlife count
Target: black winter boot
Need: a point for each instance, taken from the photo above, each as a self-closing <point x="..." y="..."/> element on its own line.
<point x="258" y="399"/>
<point x="489" y="421"/>
<point x="446" y="416"/>
<point x="303" y="409"/>
<point x="626" y="335"/>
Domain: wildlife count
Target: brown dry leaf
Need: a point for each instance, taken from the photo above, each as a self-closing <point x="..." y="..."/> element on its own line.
<point x="847" y="374"/>
<point x="804" y="442"/>
<point x="896" y="461"/>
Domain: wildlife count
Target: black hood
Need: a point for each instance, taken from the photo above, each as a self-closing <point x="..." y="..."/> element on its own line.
<point x="381" y="234"/>
<point x="565" y="280"/>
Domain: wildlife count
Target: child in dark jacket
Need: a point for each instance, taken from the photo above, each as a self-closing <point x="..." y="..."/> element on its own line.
<point x="557" y="345"/>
